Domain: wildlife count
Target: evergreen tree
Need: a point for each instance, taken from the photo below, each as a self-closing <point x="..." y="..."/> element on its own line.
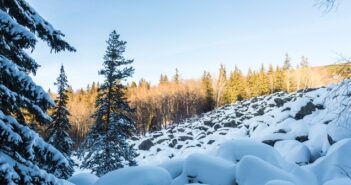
<point x="208" y="91"/>
<point x="58" y="130"/>
<point x="263" y="81"/>
<point x="163" y="79"/>
<point x="235" y="88"/>
<point x="133" y="85"/>
<point x="144" y="84"/>
<point x="176" y="77"/>
<point x="25" y="158"/>
<point x="279" y="80"/>
<point x="287" y="62"/>
<point x="105" y="147"/>
<point x="252" y="88"/>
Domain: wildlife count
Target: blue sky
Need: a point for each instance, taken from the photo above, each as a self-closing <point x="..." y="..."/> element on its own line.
<point x="191" y="35"/>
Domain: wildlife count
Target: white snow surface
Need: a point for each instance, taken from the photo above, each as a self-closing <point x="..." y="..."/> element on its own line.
<point x="141" y="175"/>
<point x="83" y="179"/>
<point x="298" y="138"/>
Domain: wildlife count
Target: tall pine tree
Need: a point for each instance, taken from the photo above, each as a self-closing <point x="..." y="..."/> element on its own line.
<point x="105" y="148"/>
<point x="58" y="130"/>
<point x="25" y="158"/>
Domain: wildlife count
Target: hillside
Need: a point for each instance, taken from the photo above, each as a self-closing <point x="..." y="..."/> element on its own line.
<point x="284" y="138"/>
<point x="313" y="117"/>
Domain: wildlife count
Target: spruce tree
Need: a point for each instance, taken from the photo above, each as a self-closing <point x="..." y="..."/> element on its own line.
<point x="263" y="81"/>
<point x="209" y="103"/>
<point x="252" y="84"/>
<point x="58" y="130"/>
<point x="287" y="62"/>
<point x="235" y="88"/>
<point x="105" y="147"/>
<point x="271" y="78"/>
<point x="25" y="158"/>
<point x="176" y="77"/>
<point x="279" y="80"/>
<point x="163" y="79"/>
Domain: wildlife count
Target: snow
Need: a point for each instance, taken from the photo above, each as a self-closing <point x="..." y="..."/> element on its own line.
<point x="236" y="149"/>
<point x="83" y="179"/>
<point x="274" y="148"/>
<point x="339" y="181"/>
<point x="174" y="167"/>
<point x="336" y="164"/>
<point x="279" y="182"/>
<point x="141" y="175"/>
<point x="206" y="169"/>
<point x="293" y="151"/>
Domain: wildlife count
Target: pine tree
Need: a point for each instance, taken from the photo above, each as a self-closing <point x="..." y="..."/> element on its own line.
<point x="144" y="84"/>
<point x="235" y="88"/>
<point x="279" y="80"/>
<point x="263" y="81"/>
<point x="176" y="77"/>
<point x="208" y="91"/>
<point x="105" y="147"/>
<point x="58" y="130"/>
<point x="287" y="62"/>
<point x="25" y="158"/>
<point x="133" y="85"/>
<point x="252" y="89"/>
<point x="163" y="79"/>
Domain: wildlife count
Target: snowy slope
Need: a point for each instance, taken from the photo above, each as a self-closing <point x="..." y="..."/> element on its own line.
<point x="281" y="139"/>
<point x="311" y="120"/>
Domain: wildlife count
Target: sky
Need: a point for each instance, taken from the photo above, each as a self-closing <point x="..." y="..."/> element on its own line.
<point x="191" y="35"/>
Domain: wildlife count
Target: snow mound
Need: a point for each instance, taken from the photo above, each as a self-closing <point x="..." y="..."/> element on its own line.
<point x="236" y="149"/>
<point x="206" y="169"/>
<point x="83" y="179"/>
<point x="336" y="164"/>
<point x="141" y="175"/>
<point x="293" y="151"/>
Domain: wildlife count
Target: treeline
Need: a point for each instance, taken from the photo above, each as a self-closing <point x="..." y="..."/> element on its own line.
<point x="174" y="99"/>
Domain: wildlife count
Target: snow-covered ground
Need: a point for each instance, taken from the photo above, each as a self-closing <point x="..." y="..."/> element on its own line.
<point x="297" y="138"/>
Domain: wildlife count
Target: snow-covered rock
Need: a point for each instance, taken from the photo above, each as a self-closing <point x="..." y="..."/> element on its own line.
<point x="141" y="175"/>
<point x="83" y="179"/>
<point x="336" y="164"/>
<point x="206" y="169"/>
<point x="293" y="151"/>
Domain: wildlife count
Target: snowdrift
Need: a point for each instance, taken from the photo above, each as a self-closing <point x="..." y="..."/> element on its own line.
<point x="236" y="162"/>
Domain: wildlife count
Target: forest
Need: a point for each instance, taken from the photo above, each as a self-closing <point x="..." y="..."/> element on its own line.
<point x="174" y="99"/>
